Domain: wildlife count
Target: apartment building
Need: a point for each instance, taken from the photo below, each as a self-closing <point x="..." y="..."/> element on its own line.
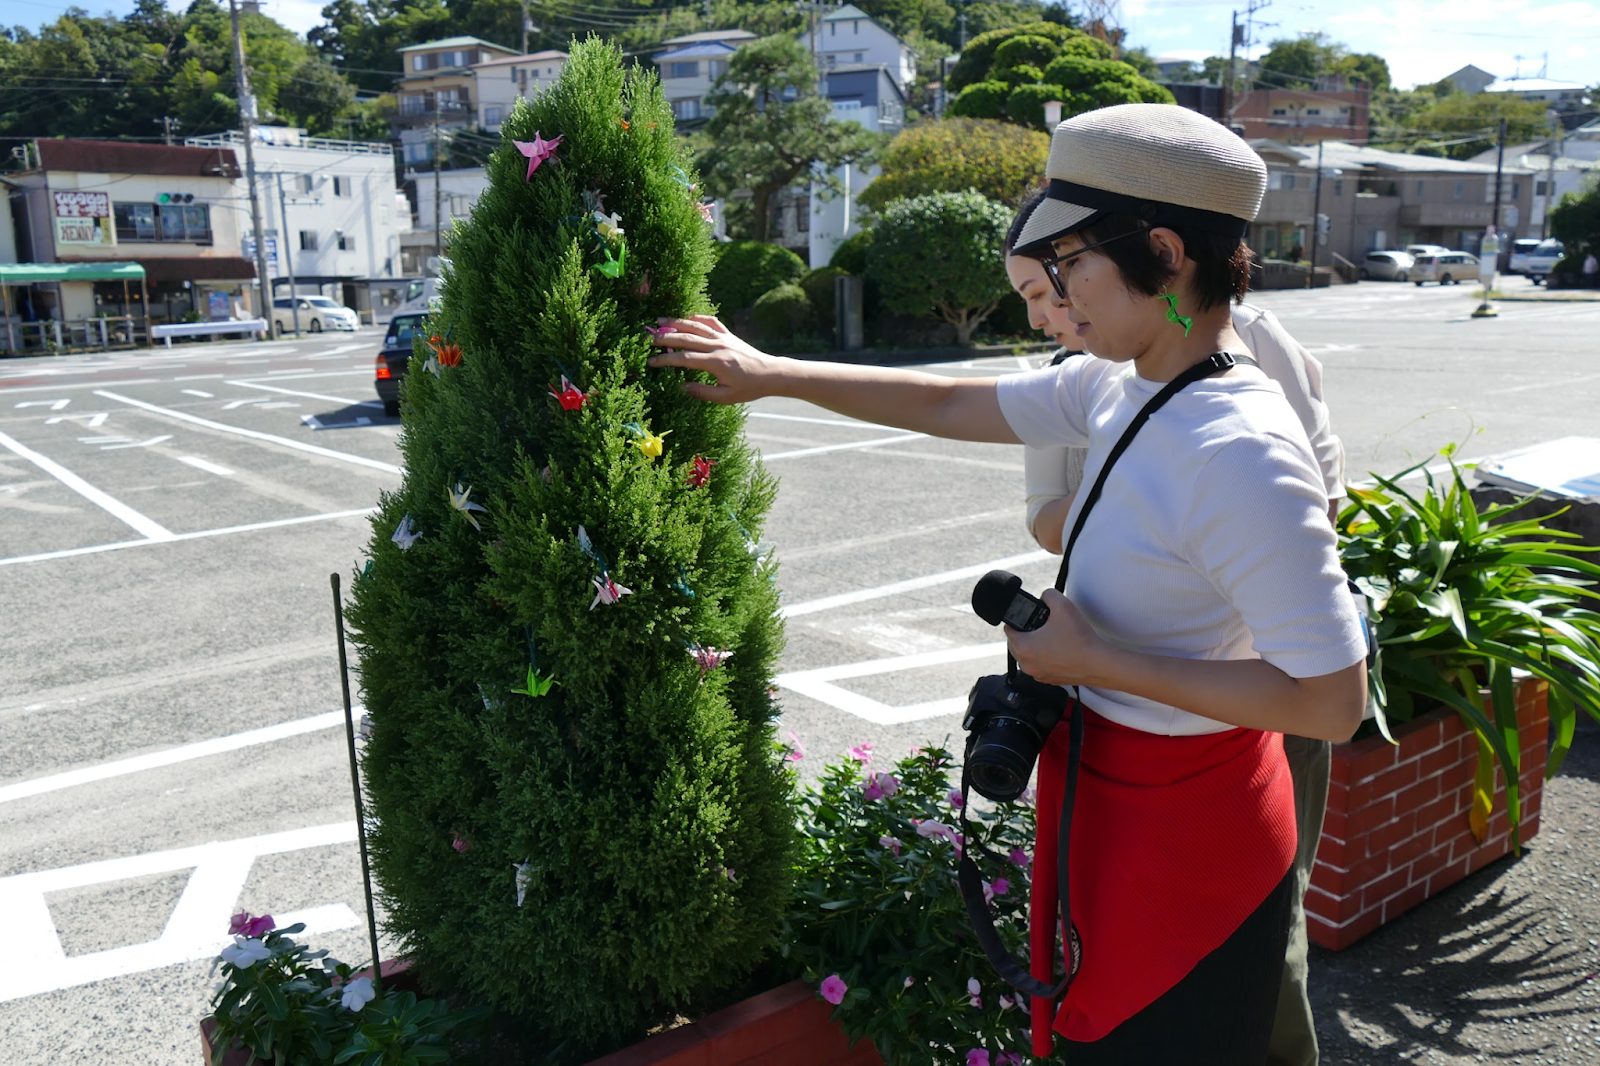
<point x="1375" y="199"/>
<point x="502" y="82"/>
<point x="1330" y="111"/>
<point x="438" y="90"/>
<point x="847" y="37"/>
<point x="690" y="67"/>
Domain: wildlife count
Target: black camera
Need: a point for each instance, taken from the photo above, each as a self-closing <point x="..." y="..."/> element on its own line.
<point x="1009" y="716"/>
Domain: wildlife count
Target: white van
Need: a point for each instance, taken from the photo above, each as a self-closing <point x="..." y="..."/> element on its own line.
<point x="422" y="295"/>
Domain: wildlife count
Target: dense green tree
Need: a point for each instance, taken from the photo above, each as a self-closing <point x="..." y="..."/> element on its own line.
<point x="935" y="255"/>
<point x="581" y="816"/>
<point x="771" y="127"/>
<point x="998" y="159"/>
<point x="1575" y="222"/>
<point x="1077" y="72"/>
<point x="1296" y="63"/>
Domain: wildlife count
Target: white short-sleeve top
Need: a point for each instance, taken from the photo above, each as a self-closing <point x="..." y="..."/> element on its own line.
<point x="1211" y="539"/>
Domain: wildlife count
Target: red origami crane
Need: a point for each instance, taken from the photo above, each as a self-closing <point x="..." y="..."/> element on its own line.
<point x="447" y="353"/>
<point x="568" y="395"/>
<point x="701" y="472"/>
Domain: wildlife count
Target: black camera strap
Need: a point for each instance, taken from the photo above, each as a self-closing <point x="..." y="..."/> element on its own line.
<point x="1006" y="965"/>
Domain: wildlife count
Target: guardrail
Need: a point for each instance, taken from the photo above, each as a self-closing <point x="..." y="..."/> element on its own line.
<point x="103" y="332"/>
<point x="206" y="329"/>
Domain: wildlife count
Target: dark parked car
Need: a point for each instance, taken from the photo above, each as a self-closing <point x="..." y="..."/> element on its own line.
<point x="394" y="358"/>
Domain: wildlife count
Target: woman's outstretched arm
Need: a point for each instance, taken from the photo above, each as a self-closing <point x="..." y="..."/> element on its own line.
<point x="906" y="399"/>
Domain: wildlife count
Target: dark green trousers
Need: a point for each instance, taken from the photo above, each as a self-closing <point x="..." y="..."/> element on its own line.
<point x="1294" y="1034"/>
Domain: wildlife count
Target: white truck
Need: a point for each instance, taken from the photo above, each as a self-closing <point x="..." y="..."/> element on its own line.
<point x="1543" y="259"/>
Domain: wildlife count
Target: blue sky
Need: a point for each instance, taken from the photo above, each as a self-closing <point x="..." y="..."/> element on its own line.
<point x="1423" y="40"/>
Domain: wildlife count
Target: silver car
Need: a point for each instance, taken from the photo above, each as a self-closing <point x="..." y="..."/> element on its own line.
<point x="1447" y="268"/>
<point x="1387" y="266"/>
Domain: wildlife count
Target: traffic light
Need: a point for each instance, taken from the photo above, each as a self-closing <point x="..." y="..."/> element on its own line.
<point x="175" y="198"/>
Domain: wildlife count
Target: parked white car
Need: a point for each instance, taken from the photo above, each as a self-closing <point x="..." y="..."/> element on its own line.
<point x="1425" y="249"/>
<point x="1521" y="248"/>
<point x="1448" y="268"/>
<point x="1543" y="259"/>
<point x="422" y="296"/>
<point x="317" y="313"/>
<point x="1387" y="266"/>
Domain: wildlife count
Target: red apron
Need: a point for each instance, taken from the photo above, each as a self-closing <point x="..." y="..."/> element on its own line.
<point x="1175" y="842"/>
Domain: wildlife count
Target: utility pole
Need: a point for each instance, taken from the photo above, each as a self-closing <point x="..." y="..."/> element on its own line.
<point x="1499" y="167"/>
<point x="961" y="22"/>
<point x="1554" y="150"/>
<point x="167" y="125"/>
<point x="247" y="121"/>
<point x="1316" y="221"/>
<point x="288" y="256"/>
<point x="1228" y="79"/>
<point x="526" y="22"/>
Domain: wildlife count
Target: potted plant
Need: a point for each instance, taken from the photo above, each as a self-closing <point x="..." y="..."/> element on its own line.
<point x="1486" y="644"/>
<point x="877" y="924"/>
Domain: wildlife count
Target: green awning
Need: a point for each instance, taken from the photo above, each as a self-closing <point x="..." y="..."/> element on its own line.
<point x="29" y="273"/>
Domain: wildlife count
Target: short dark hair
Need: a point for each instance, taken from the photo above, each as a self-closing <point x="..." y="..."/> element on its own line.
<point x="1222" y="262"/>
<point x="1034" y="198"/>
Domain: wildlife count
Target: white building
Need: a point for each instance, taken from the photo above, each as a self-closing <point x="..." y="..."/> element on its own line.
<point x="331" y="214"/>
<point x="501" y="82"/>
<point x="458" y="192"/>
<point x="871" y="97"/>
<point x="1569" y="163"/>
<point x="691" y="66"/>
<point x="848" y="37"/>
<point x="1561" y="95"/>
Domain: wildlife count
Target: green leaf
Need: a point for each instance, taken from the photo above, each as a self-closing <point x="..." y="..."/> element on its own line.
<point x="277" y="1006"/>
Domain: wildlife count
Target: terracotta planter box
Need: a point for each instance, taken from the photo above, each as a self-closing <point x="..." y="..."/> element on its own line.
<point x="1396" y="831"/>
<point x="788" y="1026"/>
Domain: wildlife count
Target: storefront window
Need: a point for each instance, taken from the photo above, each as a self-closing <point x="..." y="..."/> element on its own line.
<point x="135" y="222"/>
<point x="186" y="223"/>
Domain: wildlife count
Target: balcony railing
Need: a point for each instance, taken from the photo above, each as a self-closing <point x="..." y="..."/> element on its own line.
<point x="1452" y="214"/>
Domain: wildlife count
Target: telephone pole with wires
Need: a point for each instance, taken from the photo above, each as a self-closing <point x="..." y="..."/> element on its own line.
<point x="247" y="122"/>
<point x="1241" y="35"/>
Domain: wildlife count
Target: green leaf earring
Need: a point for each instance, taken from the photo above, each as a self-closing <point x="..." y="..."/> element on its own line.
<point x="1172" y="313"/>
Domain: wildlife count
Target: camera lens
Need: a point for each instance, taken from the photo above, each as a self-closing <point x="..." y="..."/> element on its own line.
<point x="1001" y="758"/>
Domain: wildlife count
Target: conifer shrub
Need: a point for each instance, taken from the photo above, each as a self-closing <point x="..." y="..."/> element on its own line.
<point x="985" y="99"/>
<point x="782" y="312"/>
<point x="979" y="54"/>
<point x="1025" y="48"/>
<point x="746" y="269"/>
<point x="819" y="287"/>
<point x="579" y="814"/>
<point x="1025" y="105"/>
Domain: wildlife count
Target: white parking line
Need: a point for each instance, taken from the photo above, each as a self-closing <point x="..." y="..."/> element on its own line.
<point x="202" y="534"/>
<point x="878" y="592"/>
<point x="299" y="446"/>
<point x="818" y="684"/>
<point x="799" y="453"/>
<point x="171" y="756"/>
<point x="307" y="395"/>
<point x="206" y="465"/>
<point x="195" y="930"/>
<point x="197" y="392"/>
<point x="152" y="530"/>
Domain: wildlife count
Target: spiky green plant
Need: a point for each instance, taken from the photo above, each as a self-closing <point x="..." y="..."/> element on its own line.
<point x="1460" y="599"/>
<point x="528" y="741"/>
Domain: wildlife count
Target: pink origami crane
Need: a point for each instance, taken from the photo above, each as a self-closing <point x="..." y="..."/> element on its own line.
<point x="607" y="591"/>
<point x="537" y="151"/>
<point x="708" y="658"/>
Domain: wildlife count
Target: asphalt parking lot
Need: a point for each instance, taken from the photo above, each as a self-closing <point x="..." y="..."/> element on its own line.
<point x="172" y="750"/>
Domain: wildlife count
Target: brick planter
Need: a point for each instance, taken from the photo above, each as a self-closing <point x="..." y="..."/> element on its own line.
<point x="788" y="1026"/>
<point x="1396" y="831"/>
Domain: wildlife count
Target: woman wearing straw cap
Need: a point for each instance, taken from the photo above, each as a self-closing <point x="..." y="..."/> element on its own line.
<point x="1205" y="612"/>
<point x="1052" y="476"/>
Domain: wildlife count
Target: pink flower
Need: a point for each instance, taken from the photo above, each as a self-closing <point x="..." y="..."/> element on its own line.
<point x="955" y="799"/>
<point x="880" y="786"/>
<point x="1009" y="1058"/>
<point x="459" y="842"/>
<point x="999" y="888"/>
<point x="242" y="924"/>
<point x="797" y="752"/>
<point x="892" y="843"/>
<point x="833" y="989"/>
<point x="977" y="1057"/>
<point x="1020" y="858"/>
<point x="861" y="753"/>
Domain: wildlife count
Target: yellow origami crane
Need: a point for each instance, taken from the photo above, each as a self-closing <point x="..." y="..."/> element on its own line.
<point x="652" y="445"/>
<point x="459" y="499"/>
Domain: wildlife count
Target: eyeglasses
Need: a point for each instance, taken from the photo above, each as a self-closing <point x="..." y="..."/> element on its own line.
<point x="1058" y="277"/>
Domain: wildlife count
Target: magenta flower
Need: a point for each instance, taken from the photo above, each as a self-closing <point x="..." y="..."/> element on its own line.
<point x="1020" y="858"/>
<point x="459" y="842"/>
<point x="955" y="799"/>
<point x="242" y="924"/>
<point x="861" y="753"/>
<point x="880" y="786"/>
<point x="892" y="843"/>
<point x="932" y="829"/>
<point x="833" y="989"/>
<point x="1009" y="1058"/>
<point x="977" y="1057"/>
<point x="797" y="752"/>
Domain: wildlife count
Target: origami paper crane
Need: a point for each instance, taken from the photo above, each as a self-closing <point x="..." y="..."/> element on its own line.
<point x="405" y="534"/>
<point x="652" y="445"/>
<point x="537" y="685"/>
<point x="705" y="212"/>
<point x="613" y="268"/>
<point x="607" y="591"/>
<point x="448" y="354"/>
<point x="568" y="396"/>
<point x="537" y="151"/>
<point x="524" y="875"/>
<point x="644" y="286"/>
<point x="609" y="225"/>
<point x="459" y="499"/>
<point x="432" y="365"/>
<point x="708" y="658"/>
<point x="701" y="472"/>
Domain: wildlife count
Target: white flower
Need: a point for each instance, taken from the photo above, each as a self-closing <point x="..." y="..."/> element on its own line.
<point x="358" y="993"/>
<point x="245" y="952"/>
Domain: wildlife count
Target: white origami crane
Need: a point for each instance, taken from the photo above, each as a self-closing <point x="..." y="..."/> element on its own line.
<point x="524" y="875"/>
<point x="405" y="534"/>
<point x="432" y="365"/>
<point x="607" y="591"/>
<point x="459" y="499"/>
<point x="608" y="225"/>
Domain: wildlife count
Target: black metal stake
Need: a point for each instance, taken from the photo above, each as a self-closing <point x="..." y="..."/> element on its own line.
<point x="355" y="783"/>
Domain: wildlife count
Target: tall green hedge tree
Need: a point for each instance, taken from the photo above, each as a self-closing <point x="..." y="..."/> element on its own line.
<point x="581" y="817"/>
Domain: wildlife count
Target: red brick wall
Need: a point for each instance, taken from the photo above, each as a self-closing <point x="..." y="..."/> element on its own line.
<point x="1396" y="831"/>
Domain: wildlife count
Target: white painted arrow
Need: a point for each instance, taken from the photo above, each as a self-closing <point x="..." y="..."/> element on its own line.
<point x="137" y="443"/>
<point x="93" y="421"/>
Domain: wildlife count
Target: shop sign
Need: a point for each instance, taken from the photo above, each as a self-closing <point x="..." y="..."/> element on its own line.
<point x="84" y="218"/>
